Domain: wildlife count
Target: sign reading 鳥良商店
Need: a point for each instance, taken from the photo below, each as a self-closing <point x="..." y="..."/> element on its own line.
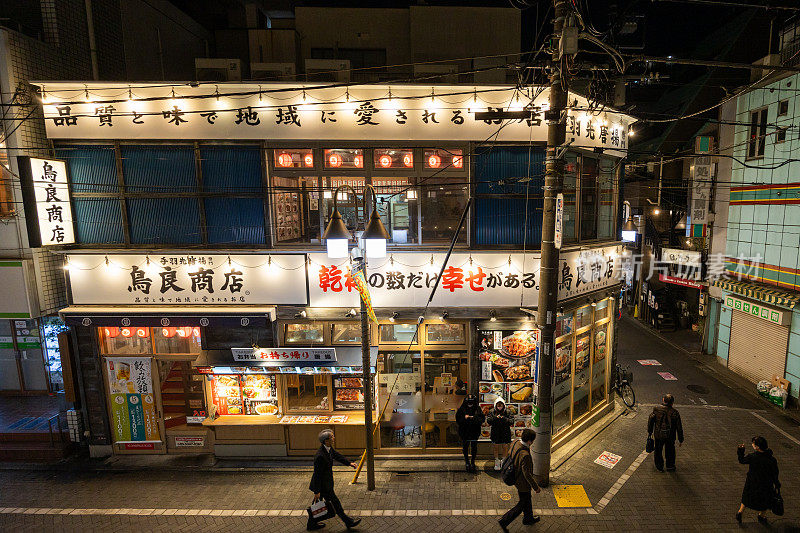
<point x="309" y="111"/>
<point x="53" y="208"/>
<point x="480" y="279"/>
<point x="197" y="279"/>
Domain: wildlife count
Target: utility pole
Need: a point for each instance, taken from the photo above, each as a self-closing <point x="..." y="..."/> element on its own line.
<point x="548" y="271"/>
<point x="360" y="264"/>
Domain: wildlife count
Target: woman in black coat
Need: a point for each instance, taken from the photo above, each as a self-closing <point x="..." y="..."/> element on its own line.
<point x="500" y="422"/>
<point x="469" y="418"/>
<point x="762" y="479"/>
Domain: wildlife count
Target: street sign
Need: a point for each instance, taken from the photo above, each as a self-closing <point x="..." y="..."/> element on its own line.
<point x="559" y="220"/>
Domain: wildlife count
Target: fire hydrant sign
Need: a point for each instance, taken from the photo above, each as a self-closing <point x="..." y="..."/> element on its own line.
<point x="608" y="459"/>
<point x="133" y="409"/>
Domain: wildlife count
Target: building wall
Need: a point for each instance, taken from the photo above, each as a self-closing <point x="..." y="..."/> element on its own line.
<point x="762" y="221"/>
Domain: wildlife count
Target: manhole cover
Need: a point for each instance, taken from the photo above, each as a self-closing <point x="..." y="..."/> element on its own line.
<point x="400" y="477"/>
<point x="505" y="496"/>
<point x="698" y="389"/>
<point x="463" y="477"/>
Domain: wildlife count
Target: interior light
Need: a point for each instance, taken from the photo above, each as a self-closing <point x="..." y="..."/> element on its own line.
<point x="434" y="161"/>
<point x="458" y="161"/>
<point x="309" y="160"/>
<point x="411" y="194"/>
<point x="408" y="160"/>
<point x="385" y="161"/>
<point x="285" y="160"/>
<point x="335" y="160"/>
<point x="111" y="332"/>
<point x="629" y="236"/>
<point x="358" y="161"/>
<point x="656" y="211"/>
<point x="326" y="194"/>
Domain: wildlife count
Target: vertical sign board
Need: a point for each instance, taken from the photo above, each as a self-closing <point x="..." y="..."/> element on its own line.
<point x="701" y="184"/>
<point x="47" y="193"/>
<point x="133" y="410"/>
<point x="559" y="220"/>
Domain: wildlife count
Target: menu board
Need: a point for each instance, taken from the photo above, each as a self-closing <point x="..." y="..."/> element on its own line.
<point x="520" y="400"/>
<point x="508" y="355"/>
<point x="348" y="394"/>
<point x="226" y="393"/>
<point x="287" y="210"/>
<point x="133" y="412"/>
<point x="259" y="395"/>
<point x="600" y="345"/>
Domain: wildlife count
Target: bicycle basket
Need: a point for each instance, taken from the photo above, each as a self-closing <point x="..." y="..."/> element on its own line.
<point x="626" y="374"/>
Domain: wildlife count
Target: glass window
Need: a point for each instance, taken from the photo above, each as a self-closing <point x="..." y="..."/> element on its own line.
<point x="563" y="324"/>
<point x="583" y="317"/>
<point x="439" y="158"/>
<point x="304" y="333"/>
<point x="601" y="311"/>
<point x="562" y="385"/>
<point x="443" y="202"/>
<point x="173" y="340"/>
<point x="344" y="158"/>
<point x="388" y="158"/>
<point x="287" y="209"/>
<point x="605" y="217"/>
<point x="351" y="208"/>
<point x="346" y="333"/>
<point x="446" y="333"/>
<point x="303" y="158"/>
<point x="599" y="365"/>
<point x="580" y="385"/>
<point x="400" y="389"/>
<point x="589" y="171"/>
<point x="398" y="333"/>
<point x="570" y="182"/>
<point x="397" y="212"/>
<point x="307" y="392"/>
<point x="122" y="341"/>
<point x="348" y="393"/>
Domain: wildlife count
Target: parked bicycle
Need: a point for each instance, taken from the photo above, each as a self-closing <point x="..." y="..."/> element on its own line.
<point x="623" y="378"/>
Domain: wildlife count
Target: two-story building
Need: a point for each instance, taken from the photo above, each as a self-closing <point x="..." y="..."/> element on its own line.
<point x="204" y="304"/>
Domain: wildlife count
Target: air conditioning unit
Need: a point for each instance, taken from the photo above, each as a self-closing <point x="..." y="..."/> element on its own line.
<point x="272" y="71"/>
<point x="328" y="69"/>
<point x="214" y="69"/>
<point x="444" y="72"/>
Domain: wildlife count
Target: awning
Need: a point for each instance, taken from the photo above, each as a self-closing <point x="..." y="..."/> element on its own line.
<point x="759" y="292"/>
<point x="241" y="316"/>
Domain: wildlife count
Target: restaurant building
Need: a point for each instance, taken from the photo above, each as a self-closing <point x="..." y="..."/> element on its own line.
<point x="203" y="303"/>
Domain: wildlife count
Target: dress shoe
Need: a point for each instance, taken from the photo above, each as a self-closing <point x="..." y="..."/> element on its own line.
<point x="315" y="526"/>
<point x="531" y="521"/>
<point x="354" y="523"/>
<point x="503" y="526"/>
<point x="739" y="517"/>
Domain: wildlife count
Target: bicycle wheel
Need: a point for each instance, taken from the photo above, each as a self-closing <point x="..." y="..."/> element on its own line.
<point x="627" y="394"/>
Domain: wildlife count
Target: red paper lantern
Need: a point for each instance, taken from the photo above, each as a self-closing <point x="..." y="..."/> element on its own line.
<point x="385" y="161"/>
<point x="142" y="332"/>
<point x="458" y="161"/>
<point x="196" y="332"/>
<point x="358" y="161"/>
<point x="309" y="160"/>
<point x="111" y="332"/>
<point x="168" y="333"/>
<point x="126" y="332"/>
<point x="434" y="161"/>
<point x="285" y="160"/>
<point x="335" y="160"/>
<point x="408" y="160"/>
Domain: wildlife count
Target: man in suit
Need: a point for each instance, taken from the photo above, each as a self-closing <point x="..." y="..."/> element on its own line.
<point x="322" y="481"/>
<point x="523" y="468"/>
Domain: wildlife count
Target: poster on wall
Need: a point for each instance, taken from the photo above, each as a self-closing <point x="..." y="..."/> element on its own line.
<point x="520" y="399"/>
<point x="133" y="410"/>
<point x="512" y="354"/>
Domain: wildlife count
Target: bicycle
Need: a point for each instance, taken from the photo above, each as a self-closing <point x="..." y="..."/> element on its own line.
<point x="622" y="384"/>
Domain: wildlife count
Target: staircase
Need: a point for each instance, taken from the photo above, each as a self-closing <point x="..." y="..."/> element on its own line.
<point x="173" y="395"/>
<point x="37" y="446"/>
<point x="664" y="320"/>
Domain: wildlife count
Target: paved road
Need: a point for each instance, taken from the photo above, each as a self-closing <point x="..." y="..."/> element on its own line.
<point x="702" y="495"/>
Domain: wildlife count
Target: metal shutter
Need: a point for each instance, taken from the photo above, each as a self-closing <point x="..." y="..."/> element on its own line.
<point x="757" y="348"/>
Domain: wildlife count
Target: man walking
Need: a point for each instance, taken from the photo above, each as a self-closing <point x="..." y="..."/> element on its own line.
<point x="664" y="425"/>
<point x="523" y="468"/>
<point x="322" y="482"/>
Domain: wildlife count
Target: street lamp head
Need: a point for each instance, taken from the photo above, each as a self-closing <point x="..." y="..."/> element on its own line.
<point x="629" y="231"/>
<point x="336" y="236"/>
<point x="375" y="236"/>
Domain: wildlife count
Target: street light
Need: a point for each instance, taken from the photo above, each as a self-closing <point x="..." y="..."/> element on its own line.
<point x="629" y="228"/>
<point x="337" y="236"/>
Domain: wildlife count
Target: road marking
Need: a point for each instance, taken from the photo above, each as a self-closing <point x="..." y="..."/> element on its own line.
<point x="605" y="500"/>
<point x="667" y="376"/>
<point x="779" y="430"/>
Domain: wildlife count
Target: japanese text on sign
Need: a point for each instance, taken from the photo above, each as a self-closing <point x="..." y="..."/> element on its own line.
<point x="296" y="356"/>
<point x="53" y="208"/>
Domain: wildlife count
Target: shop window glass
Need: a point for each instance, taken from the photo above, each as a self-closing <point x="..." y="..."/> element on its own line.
<point x="402" y="421"/>
<point x="570" y="198"/>
<point x="599" y="365"/>
<point x="564" y="324"/>
<point x="399" y="333"/>
<point x="346" y="333"/>
<point x="51" y="327"/>
<point x="304" y="333"/>
<point x="601" y="311"/>
<point x="439" y="158"/>
<point x="173" y="340"/>
<point x="562" y="385"/>
<point x="348" y="393"/>
<point x="344" y="158"/>
<point x="391" y="158"/>
<point x="605" y="216"/>
<point x="589" y="171"/>
<point x="583" y="317"/>
<point x="446" y="333"/>
<point x="294" y="158"/>
<point x="350" y="207"/>
<point x="442" y="203"/>
<point x="289" y="215"/>
<point x="397" y="209"/>
<point x="123" y="341"/>
<point x="580" y="385"/>
<point x="307" y="392"/>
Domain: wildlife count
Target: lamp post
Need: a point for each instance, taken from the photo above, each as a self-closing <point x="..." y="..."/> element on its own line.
<point x="337" y="239"/>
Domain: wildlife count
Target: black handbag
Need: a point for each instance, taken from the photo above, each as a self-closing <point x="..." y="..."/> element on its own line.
<point x="650" y="445"/>
<point x="777" y="503"/>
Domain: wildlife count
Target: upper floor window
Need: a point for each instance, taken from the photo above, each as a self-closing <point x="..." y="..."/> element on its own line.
<point x="783" y="108"/>
<point x="757" y="134"/>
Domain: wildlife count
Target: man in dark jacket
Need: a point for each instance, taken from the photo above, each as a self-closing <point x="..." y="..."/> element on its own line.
<point x="523" y="468"/>
<point x="665" y="425"/>
<point x="322" y="481"/>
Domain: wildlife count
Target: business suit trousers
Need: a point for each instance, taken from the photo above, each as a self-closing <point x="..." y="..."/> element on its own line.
<point x="668" y="447"/>
<point x="524" y="506"/>
<point x="335" y="508"/>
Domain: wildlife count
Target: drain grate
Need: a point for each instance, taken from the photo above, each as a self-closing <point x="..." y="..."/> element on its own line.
<point x="463" y="477"/>
<point x="698" y="389"/>
<point x="400" y="477"/>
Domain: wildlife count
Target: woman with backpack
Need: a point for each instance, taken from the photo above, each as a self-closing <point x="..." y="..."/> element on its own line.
<point x="500" y="422"/>
<point x="762" y="479"/>
<point x="469" y="418"/>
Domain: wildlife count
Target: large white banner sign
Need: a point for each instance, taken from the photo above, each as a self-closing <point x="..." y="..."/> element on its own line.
<point x="189" y="279"/>
<point x="309" y="111"/>
<point x="470" y="280"/>
<point x="53" y="208"/>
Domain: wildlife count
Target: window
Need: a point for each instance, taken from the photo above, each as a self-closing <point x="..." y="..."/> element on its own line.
<point x="294" y="158"/>
<point x="307" y="392"/>
<point x="145" y="340"/>
<point x="605" y="209"/>
<point x="399" y="333"/>
<point x="174" y="340"/>
<point x="389" y="158"/>
<point x="589" y="176"/>
<point x="445" y="333"/>
<point x="783" y="108"/>
<point x="346" y="333"/>
<point x="439" y="158"/>
<point x="344" y="158"/>
<point x="443" y="201"/>
<point x="398" y="213"/>
<point x="758" y="132"/>
<point x="780" y="134"/>
<point x="311" y="333"/>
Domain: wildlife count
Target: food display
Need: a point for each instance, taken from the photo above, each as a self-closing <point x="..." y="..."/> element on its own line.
<point x="227" y="395"/>
<point x="348" y="394"/>
<point x="486" y="408"/>
<point x="508" y="355"/>
<point x="520" y="392"/>
<point x="524" y="414"/>
<point x="563" y="356"/>
<point x="244" y="395"/>
<point x="582" y="352"/>
<point x="600" y="345"/>
<point x="520" y="344"/>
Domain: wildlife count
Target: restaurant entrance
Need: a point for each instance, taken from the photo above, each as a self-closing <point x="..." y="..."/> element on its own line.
<point x="422" y="382"/>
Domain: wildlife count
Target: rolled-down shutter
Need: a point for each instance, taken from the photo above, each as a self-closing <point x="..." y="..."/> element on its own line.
<point x="757" y="348"/>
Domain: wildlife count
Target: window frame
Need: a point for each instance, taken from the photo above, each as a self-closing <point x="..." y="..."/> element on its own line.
<point x="756" y="133"/>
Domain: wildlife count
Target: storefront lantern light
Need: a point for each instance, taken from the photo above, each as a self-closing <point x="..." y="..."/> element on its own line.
<point x="358" y="161"/>
<point x="168" y="333"/>
<point x="337" y="236"/>
<point x="335" y="160"/>
<point x="385" y="161"/>
<point x="285" y="160"/>
<point x="196" y="332"/>
<point x="458" y="161"/>
<point x="111" y="332"/>
<point x="126" y="332"/>
<point x="408" y="160"/>
<point x="434" y="161"/>
<point x="142" y="332"/>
